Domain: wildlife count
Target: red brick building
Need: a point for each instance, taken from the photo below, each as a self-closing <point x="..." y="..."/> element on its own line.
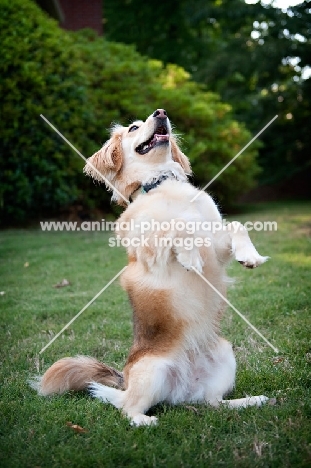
<point x="75" y="14"/>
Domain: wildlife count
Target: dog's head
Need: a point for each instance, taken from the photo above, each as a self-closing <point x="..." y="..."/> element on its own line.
<point x="137" y="155"/>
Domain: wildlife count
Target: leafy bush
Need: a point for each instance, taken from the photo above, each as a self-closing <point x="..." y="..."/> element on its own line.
<point x="81" y="83"/>
<point x="40" y="74"/>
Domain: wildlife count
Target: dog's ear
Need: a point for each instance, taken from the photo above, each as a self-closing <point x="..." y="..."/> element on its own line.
<point x="180" y="157"/>
<point x="107" y="161"/>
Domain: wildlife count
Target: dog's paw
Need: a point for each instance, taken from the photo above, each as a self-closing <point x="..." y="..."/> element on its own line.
<point x="250" y="258"/>
<point x="190" y="259"/>
<point x="245" y="402"/>
<point x="257" y="400"/>
<point x="143" y="420"/>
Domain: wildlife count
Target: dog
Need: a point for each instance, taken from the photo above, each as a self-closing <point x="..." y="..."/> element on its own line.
<point x="178" y="354"/>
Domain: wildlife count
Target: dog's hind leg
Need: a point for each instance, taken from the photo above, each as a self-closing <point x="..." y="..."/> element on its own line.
<point x="220" y="373"/>
<point x="221" y="381"/>
<point x="145" y="388"/>
<point x="245" y="402"/>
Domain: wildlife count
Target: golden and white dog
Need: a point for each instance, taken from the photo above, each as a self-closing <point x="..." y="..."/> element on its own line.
<point x="177" y="355"/>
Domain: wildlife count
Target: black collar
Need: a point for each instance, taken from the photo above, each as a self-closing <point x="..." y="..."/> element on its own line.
<point x="147" y="187"/>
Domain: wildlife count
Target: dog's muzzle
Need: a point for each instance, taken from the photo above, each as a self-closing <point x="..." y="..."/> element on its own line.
<point x="160" y="136"/>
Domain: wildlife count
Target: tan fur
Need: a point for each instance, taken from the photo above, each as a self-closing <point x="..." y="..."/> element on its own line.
<point x="177" y="353"/>
<point x="108" y="158"/>
<point x="156" y="332"/>
<point x="76" y="374"/>
<point x="179" y="157"/>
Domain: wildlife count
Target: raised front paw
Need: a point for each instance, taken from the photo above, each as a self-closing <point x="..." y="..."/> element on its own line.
<point x="190" y="259"/>
<point x="250" y="258"/>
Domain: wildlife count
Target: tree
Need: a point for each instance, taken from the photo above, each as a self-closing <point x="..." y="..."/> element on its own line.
<point x="246" y="53"/>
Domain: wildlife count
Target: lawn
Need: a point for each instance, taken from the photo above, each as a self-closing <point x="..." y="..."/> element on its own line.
<point x="35" y="431"/>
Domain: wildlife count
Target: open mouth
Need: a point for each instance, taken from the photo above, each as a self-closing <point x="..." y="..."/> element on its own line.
<point x="159" y="137"/>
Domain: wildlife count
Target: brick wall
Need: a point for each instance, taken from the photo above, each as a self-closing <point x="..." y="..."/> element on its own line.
<point x="78" y="14"/>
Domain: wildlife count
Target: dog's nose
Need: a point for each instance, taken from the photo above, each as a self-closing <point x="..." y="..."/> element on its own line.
<point x="160" y="113"/>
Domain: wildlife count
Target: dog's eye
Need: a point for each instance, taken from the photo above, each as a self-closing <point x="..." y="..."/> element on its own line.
<point x="133" y="128"/>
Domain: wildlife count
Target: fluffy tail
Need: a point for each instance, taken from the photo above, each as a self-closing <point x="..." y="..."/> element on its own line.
<point x="76" y="374"/>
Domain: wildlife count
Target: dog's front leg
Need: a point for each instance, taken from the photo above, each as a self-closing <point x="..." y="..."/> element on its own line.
<point x="189" y="258"/>
<point x="242" y="247"/>
<point x="186" y="247"/>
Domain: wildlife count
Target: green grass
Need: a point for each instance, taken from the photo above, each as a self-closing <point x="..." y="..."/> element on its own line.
<point x="275" y="298"/>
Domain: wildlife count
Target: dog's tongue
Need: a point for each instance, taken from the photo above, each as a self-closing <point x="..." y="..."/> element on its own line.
<point x="161" y="137"/>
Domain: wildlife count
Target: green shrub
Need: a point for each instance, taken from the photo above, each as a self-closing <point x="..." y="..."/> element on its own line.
<point x="81" y="83"/>
<point x="40" y="74"/>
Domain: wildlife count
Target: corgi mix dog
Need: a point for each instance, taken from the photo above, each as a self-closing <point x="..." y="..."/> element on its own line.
<point x="177" y="354"/>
